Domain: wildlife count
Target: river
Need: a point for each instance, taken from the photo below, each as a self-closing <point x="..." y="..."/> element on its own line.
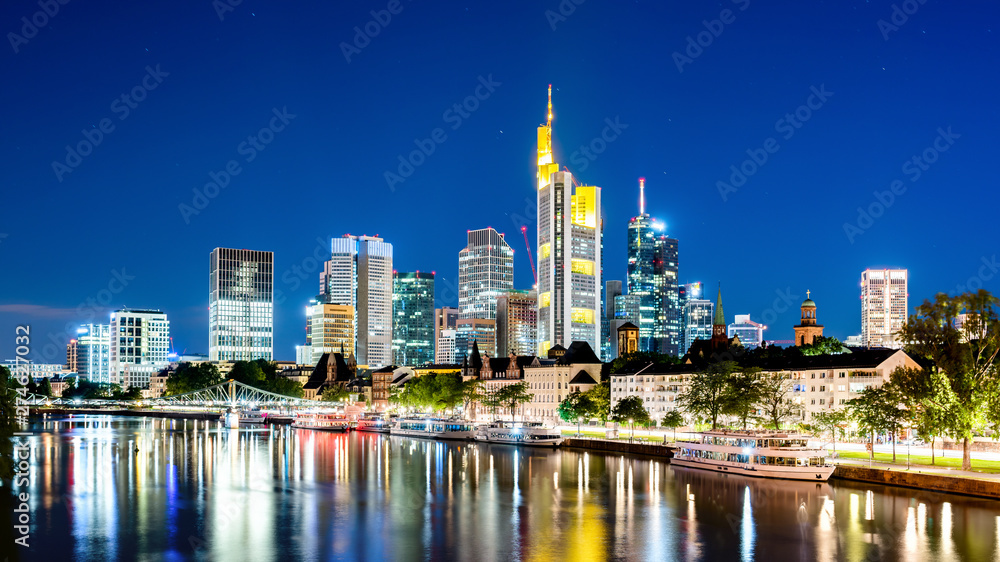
<point x="117" y="488"/>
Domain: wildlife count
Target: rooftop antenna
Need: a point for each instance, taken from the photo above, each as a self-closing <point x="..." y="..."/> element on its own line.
<point x="549" y="122"/>
<point x="642" y="196"/>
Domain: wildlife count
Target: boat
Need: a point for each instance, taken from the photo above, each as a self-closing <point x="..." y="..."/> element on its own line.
<point x="279" y="419"/>
<point x="762" y="454"/>
<point x="251" y="417"/>
<point x="375" y="423"/>
<point x="434" y="428"/>
<point x="321" y="422"/>
<point x="519" y="433"/>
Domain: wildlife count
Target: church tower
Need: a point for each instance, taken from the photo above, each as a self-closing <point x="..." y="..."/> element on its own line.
<point x="720" y="341"/>
<point x="808" y="330"/>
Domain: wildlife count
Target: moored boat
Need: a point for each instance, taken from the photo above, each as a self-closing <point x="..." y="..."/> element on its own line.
<point x="434" y="428"/>
<point x="760" y="454"/>
<point x="321" y="422"/>
<point x="374" y="423"/>
<point x="519" y="433"/>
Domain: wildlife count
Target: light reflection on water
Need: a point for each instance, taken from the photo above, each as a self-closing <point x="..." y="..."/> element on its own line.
<point x="123" y="488"/>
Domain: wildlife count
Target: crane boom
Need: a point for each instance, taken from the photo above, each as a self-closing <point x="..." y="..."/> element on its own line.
<point x="524" y="231"/>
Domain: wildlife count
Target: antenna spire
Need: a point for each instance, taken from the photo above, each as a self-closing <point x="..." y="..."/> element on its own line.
<point x="549" y="122"/>
<point x="642" y="196"/>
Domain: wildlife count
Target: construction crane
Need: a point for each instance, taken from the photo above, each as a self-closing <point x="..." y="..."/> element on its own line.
<point x="524" y="231"/>
<point x="575" y="183"/>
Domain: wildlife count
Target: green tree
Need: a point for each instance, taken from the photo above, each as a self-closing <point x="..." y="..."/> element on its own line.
<point x="46" y="388"/>
<point x="575" y="406"/>
<point x="708" y="392"/>
<point x="248" y="373"/>
<point x="8" y="424"/>
<point x="823" y="346"/>
<point x="630" y="410"/>
<point x="832" y="421"/>
<point x="32" y="386"/>
<point x="775" y="399"/>
<point x="190" y="377"/>
<point x="600" y="397"/>
<point x="286" y="387"/>
<point x="672" y="420"/>
<point x="929" y="400"/>
<point x="878" y="410"/>
<point x="513" y="395"/>
<point x="743" y="394"/>
<point x="335" y="393"/>
<point x="636" y="360"/>
<point x="967" y="356"/>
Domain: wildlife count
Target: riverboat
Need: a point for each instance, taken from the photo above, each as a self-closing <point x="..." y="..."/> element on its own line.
<point x="758" y="454"/>
<point x="374" y="423"/>
<point x="434" y="428"/>
<point x="321" y="422"/>
<point x="519" y="433"/>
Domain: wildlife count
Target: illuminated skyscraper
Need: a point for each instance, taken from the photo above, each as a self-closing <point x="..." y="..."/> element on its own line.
<point x="569" y="253"/>
<point x="697" y="317"/>
<point x="140" y="341"/>
<point x="517" y="323"/>
<point x="485" y="271"/>
<point x="652" y="277"/>
<point x="241" y="305"/>
<point x="93" y="352"/>
<point x="883" y="306"/>
<point x="359" y="274"/>
<point x="445" y="321"/>
<point x="413" y="318"/>
<point x="331" y="330"/>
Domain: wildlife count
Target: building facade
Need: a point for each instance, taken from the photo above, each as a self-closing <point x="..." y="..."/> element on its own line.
<point x="331" y="330"/>
<point x="698" y="313"/>
<point x="807" y="330"/>
<point x="883" y="306"/>
<point x="445" y="319"/>
<point x="93" y="352"/>
<point x="241" y="305"/>
<point x="517" y="323"/>
<point x="485" y="271"/>
<point x="750" y="333"/>
<point x="474" y="330"/>
<point x="569" y="252"/>
<point x="413" y="318"/>
<point x="553" y="378"/>
<point x="140" y="342"/>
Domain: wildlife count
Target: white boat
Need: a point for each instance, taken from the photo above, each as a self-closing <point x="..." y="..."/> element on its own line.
<point x="519" y="433"/>
<point x="434" y="428"/>
<point x="755" y="453"/>
<point x="251" y="416"/>
<point x="321" y="422"/>
<point x="377" y="424"/>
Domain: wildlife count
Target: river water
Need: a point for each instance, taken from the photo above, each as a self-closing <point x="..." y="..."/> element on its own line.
<point x="117" y="488"/>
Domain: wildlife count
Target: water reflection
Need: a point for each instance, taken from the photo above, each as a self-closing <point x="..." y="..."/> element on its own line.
<point x="122" y="488"/>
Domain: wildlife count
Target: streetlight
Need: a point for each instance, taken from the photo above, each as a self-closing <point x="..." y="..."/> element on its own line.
<point x="632" y="438"/>
<point x="579" y="420"/>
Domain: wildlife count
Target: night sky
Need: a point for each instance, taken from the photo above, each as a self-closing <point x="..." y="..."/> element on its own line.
<point x="111" y="227"/>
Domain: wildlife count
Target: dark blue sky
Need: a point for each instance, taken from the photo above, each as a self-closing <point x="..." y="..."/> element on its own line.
<point x="71" y="236"/>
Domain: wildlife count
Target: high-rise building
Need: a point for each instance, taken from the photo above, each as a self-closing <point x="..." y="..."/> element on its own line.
<point x="698" y="313"/>
<point x="93" y="352"/>
<point x="331" y="330"/>
<point x="609" y="340"/>
<point x="883" y="306"/>
<point x="71" y="351"/>
<point x="751" y="333"/>
<point x="485" y="271"/>
<point x="470" y="330"/>
<point x="413" y="318"/>
<point x="359" y="274"/>
<point x="140" y="342"/>
<point x="445" y="318"/>
<point x="652" y="277"/>
<point x="241" y="305"/>
<point x="569" y="253"/>
<point x="517" y="323"/>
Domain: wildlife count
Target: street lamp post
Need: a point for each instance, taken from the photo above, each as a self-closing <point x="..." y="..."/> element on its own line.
<point x="579" y="420"/>
<point x="632" y="437"/>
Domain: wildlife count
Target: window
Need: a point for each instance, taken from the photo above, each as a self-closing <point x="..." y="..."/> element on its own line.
<point x="822" y="401"/>
<point x="814" y="375"/>
<point x="822" y="389"/>
<point x="813" y="401"/>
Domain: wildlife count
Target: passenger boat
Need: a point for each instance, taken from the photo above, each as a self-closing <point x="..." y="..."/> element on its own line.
<point x="434" y="428"/>
<point x="375" y="423"/>
<point x="251" y="416"/>
<point x="759" y="454"/>
<point x="321" y="422"/>
<point x="519" y="433"/>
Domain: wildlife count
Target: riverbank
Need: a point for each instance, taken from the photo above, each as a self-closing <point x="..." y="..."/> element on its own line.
<point x="608" y="446"/>
<point x="124" y="412"/>
<point x="969" y="484"/>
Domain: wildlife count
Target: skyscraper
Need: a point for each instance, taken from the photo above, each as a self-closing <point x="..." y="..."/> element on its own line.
<point x="517" y="323"/>
<point x="413" y="318"/>
<point x="359" y="274"/>
<point x="445" y="320"/>
<point x="473" y="330"/>
<point x="485" y="271"/>
<point x="331" y="330"/>
<point x="652" y="277"/>
<point x="569" y="252"/>
<point x="140" y="341"/>
<point x="751" y="333"/>
<point x="608" y="338"/>
<point x="93" y="352"/>
<point x="241" y="305"/>
<point x="697" y="317"/>
<point x="883" y="306"/>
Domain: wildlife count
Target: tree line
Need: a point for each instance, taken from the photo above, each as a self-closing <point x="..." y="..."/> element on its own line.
<point x="259" y="373"/>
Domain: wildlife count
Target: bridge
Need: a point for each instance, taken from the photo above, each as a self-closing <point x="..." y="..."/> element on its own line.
<point x="229" y="394"/>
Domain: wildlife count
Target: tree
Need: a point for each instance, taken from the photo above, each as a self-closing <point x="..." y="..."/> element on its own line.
<point x="32" y="386"/>
<point x="286" y="387"/>
<point x="823" y="346"/>
<point x="190" y="377"/>
<point x="929" y="400"/>
<point x="575" y="406"/>
<point x="8" y="423"/>
<point x="630" y="409"/>
<point x="636" y="360"/>
<point x="335" y="393"/>
<point x="513" y="395"/>
<point x="600" y="396"/>
<point x="775" y="398"/>
<point x="673" y="419"/>
<point x="248" y="373"/>
<point x="878" y="410"/>
<point x="832" y="421"/>
<point x="967" y="356"/>
<point x="707" y="394"/>
<point x="743" y="394"/>
<point x="46" y="388"/>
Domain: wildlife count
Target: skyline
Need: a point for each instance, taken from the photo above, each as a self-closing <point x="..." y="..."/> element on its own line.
<point x="683" y="130"/>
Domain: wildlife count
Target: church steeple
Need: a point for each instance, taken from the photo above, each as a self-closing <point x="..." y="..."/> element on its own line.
<point x="720" y="318"/>
<point x="720" y="340"/>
